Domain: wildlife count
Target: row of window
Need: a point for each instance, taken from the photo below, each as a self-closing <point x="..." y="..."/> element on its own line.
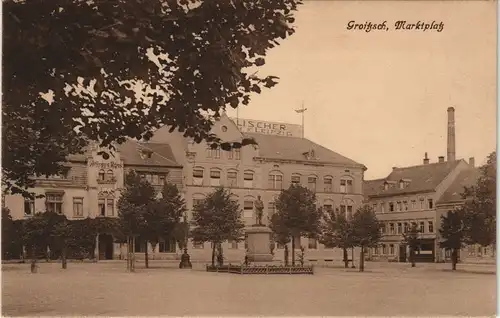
<point x="215" y="178"/>
<point x="476" y="250"/>
<point x="275" y="180"/>
<point x="346" y="207"/>
<point x="392" y="228"/>
<point x="106" y="175"/>
<point x="154" y="178"/>
<point x="216" y="153"/>
<point x="403" y="205"/>
<point x="54" y="203"/>
<point x="384" y="249"/>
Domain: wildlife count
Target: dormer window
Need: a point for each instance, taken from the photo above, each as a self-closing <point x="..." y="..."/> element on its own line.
<point x="401" y="184"/>
<point x="146" y="154"/>
<point x="386" y="186"/>
<point x="309" y="154"/>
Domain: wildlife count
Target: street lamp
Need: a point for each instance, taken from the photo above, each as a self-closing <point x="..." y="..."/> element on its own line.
<point x="185" y="259"/>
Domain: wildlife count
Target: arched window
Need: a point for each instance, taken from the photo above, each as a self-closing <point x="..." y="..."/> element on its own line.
<point x="328" y="182"/>
<point x="198" y="176"/>
<point x="275" y="180"/>
<point x="295" y="178"/>
<point x="102" y="175"/>
<point x="328" y="205"/>
<point x="197" y="199"/>
<point x="346" y="184"/>
<point x="311" y="182"/>
<point x="234" y="197"/>
<point x="215" y="175"/>
<point x="248" y="206"/>
<point x="347" y="207"/>
<point x="232" y="178"/>
<point x="248" y="177"/>
<point x="109" y="175"/>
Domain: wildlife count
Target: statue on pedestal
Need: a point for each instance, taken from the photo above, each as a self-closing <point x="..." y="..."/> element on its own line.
<point x="259" y="208"/>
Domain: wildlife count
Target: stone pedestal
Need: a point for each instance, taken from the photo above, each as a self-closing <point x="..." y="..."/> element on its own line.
<point x="259" y="241"/>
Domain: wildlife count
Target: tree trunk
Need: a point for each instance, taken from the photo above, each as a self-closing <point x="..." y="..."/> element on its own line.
<point x="412" y="256"/>
<point x="146" y="260"/>
<point x="128" y="253"/>
<point x="454" y="259"/>
<point x="293" y="251"/>
<point x="63" y="256"/>
<point x="286" y="254"/>
<point x="220" y="255"/>
<point x="362" y="259"/>
<point x="34" y="266"/>
<point x="132" y="256"/>
<point x="213" y="254"/>
<point x="346" y="257"/>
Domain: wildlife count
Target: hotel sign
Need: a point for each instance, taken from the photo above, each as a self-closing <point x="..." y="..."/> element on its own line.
<point x="105" y="165"/>
<point x="268" y="128"/>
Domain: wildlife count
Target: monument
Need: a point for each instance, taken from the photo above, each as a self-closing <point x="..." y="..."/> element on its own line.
<point x="259" y="237"/>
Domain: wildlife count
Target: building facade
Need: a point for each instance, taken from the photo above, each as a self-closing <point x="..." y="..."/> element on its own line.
<point x="420" y="195"/>
<point x="452" y="199"/>
<point x="407" y="197"/>
<point x="280" y="159"/>
<point x="91" y="188"/>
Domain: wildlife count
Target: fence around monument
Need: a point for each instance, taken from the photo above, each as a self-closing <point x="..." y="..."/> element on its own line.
<point x="262" y="270"/>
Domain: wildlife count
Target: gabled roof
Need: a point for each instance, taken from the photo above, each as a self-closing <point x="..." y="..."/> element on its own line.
<point x="454" y="192"/>
<point x="371" y="187"/>
<point x="293" y="148"/>
<point x="421" y="178"/>
<point x="77" y="158"/>
<point x="134" y="153"/>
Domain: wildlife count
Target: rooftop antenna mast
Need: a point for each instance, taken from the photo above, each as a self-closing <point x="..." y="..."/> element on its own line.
<point x="302" y="111"/>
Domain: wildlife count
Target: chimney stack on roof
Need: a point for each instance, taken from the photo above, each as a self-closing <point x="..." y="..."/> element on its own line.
<point x="441" y="159"/>
<point x="451" y="134"/>
<point x="472" y="162"/>
<point x="426" y="159"/>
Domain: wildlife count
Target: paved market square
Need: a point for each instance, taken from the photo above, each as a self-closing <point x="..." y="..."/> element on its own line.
<point x="106" y="289"/>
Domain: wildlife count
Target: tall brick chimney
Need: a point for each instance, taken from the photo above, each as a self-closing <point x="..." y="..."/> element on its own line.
<point x="451" y="134"/>
<point x="472" y="162"/>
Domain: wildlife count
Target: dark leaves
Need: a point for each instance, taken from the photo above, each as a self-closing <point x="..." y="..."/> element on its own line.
<point x="45" y="49"/>
<point x="260" y="61"/>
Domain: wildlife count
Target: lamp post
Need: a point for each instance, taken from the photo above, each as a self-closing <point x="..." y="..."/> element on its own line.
<point x="352" y="258"/>
<point x="185" y="259"/>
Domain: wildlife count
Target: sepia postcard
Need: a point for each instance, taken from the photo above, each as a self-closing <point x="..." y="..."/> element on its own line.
<point x="249" y="158"/>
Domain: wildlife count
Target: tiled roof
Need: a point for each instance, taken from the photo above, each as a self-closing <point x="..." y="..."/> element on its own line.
<point x="420" y="178"/>
<point x="466" y="178"/>
<point x="132" y="153"/>
<point x="293" y="148"/>
<point x="77" y="157"/>
<point x="371" y="187"/>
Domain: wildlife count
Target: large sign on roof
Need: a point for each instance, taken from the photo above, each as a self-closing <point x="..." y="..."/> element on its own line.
<point x="268" y="127"/>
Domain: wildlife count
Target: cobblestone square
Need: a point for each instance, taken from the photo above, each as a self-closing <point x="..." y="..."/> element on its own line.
<point x="105" y="289"/>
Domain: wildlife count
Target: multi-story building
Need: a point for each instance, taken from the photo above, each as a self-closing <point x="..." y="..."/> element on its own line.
<point x="408" y="196"/>
<point x="453" y="199"/>
<point x="279" y="159"/>
<point x="418" y="195"/>
<point x="91" y="188"/>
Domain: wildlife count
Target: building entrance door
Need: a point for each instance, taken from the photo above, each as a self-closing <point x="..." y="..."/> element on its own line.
<point x="105" y="246"/>
<point x="402" y="253"/>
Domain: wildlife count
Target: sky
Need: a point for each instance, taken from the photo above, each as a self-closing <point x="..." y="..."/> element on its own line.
<point x="381" y="97"/>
